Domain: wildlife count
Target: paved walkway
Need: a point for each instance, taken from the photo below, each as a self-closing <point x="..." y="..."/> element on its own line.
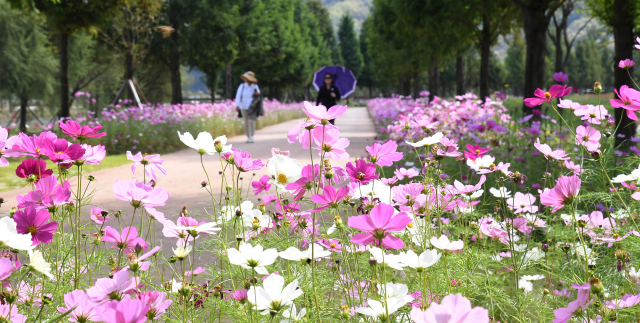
<point x="185" y="171"/>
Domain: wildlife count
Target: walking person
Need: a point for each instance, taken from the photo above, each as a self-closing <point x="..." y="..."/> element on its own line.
<point x="328" y="94"/>
<point x="247" y="92"/>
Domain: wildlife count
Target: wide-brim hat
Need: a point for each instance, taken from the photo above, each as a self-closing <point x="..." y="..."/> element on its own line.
<point x="249" y="76"/>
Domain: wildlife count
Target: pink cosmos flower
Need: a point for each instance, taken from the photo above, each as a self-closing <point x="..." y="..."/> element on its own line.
<point x="93" y="155"/>
<point x="125" y="311"/>
<point x="568" y="104"/>
<point x="475" y="151"/>
<point x="453" y="309"/>
<point x="574" y="167"/>
<point x="628" y="300"/>
<point x="277" y="151"/>
<point x="638" y="40"/>
<point x="140" y="194"/>
<point x="61" y="151"/>
<point x="78" y="132"/>
<point x="407" y="194"/>
<point x="241" y="295"/>
<point x="560" y="77"/>
<point x="423" y="123"/>
<point x="34" y="146"/>
<point x="127" y="240"/>
<point x="157" y="302"/>
<point x="522" y="203"/>
<point x="300" y="132"/>
<point x="378" y="226"/>
<point x="565" y="191"/>
<point x="564" y="315"/>
<point x="6" y="268"/>
<point x="502" y="167"/>
<point x="468" y="189"/>
<point x="47" y="195"/>
<point x="96" y="215"/>
<point x="558" y="154"/>
<point x="450" y="148"/>
<point x="629" y="99"/>
<point x="36" y="223"/>
<point x="556" y="91"/>
<point x="321" y="113"/>
<point x="330" y="198"/>
<point x="151" y="164"/>
<point x="389" y="181"/>
<point x="385" y="154"/>
<point x="243" y="162"/>
<point x="6" y="145"/>
<point x="262" y="185"/>
<point x="84" y="310"/>
<point x="588" y="137"/>
<point x="626" y="64"/>
<point x="105" y="288"/>
<point x="333" y="146"/>
<point x="362" y="172"/>
<point x="403" y="173"/>
<point x="305" y="182"/>
<point x="33" y="168"/>
<point x="9" y="313"/>
<point x="592" y="113"/>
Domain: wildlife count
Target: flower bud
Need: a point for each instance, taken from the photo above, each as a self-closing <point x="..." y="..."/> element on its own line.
<point x="596" y="285"/>
<point x="597" y="88"/>
<point x="344" y="312"/>
<point x="247" y="283"/>
<point x="91" y="178"/>
<point x="596" y="154"/>
<point x="185" y="289"/>
<point x="607" y="134"/>
<point x="172" y="260"/>
<point x="373" y="262"/>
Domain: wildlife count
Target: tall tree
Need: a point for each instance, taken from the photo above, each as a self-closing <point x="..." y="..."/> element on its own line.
<point x="621" y="16"/>
<point x="326" y="28"/>
<point x="349" y="44"/>
<point x="558" y="34"/>
<point x="65" y="18"/>
<point x="536" y="15"/>
<point x="367" y="74"/>
<point x="514" y="63"/>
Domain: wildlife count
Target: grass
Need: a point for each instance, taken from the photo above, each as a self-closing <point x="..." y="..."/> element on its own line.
<point x="9" y="180"/>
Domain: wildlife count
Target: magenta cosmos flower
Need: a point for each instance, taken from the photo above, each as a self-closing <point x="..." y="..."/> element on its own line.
<point x="140" y="194"/>
<point x="78" y="132"/>
<point x="33" y="170"/>
<point x="323" y="114"/>
<point x="98" y="215"/>
<point x="47" y="195"/>
<point x="556" y="91"/>
<point x="105" y="288"/>
<point x="61" y="151"/>
<point x="565" y="191"/>
<point x="125" y="311"/>
<point x="151" y="164"/>
<point x="565" y="314"/>
<point x="330" y="144"/>
<point x="626" y="64"/>
<point x="34" y="146"/>
<point x="452" y="309"/>
<point x="127" y="240"/>
<point x="93" y="155"/>
<point x="475" y="151"/>
<point x="6" y="147"/>
<point x="362" y="172"/>
<point x="243" y="162"/>
<point x="304" y="183"/>
<point x="588" y="137"/>
<point x="557" y="154"/>
<point x="35" y="222"/>
<point x="157" y="301"/>
<point x="629" y="99"/>
<point x="560" y="77"/>
<point x="83" y="309"/>
<point x="385" y="154"/>
<point x="329" y="198"/>
<point x="378" y="226"/>
<point x="261" y="185"/>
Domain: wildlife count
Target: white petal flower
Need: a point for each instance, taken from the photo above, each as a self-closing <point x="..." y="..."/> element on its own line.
<point x="294" y="254"/>
<point x="37" y="263"/>
<point x="229" y="212"/>
<point x="427" y="141"/>
<point x="256" y="220"/>
<point x="391" y="260"/>
<point x="273" y="296"/>
<point x="426" y="259"/>
<point x="526" y="285"/>
<point x="372" y="190"/>
<point x="293" y="315"/>
<point x="391" y="291"/>
<point x="443" y="243"/>
<point x="378" y="310"/>
<point x="283" y="170"/>
<point x="208" y="228"/>
<point x="250" y="257"/>
<point x="10" y="237"/>
<point x="532" y="277"/>
<point x="204" y="144"/>
<point x="220" y="145"/>
<point x="501" y="192"/>
<point x="481" y="162"/>
<point x="182" y="252"/>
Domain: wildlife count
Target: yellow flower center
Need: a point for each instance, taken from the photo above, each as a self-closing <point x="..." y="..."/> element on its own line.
<point x="547" y="95"/>
<point x="592" y="115"/>
<point x="282" y="178"/>
<point x="477" y="151"/>
<point x="37" y="150"/>
<point x="410" y="224"/>
<point x="32" y="229"/>
<point x="333" y="245"/>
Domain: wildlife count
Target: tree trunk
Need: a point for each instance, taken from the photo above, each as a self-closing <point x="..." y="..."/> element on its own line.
<point x="460" y="75"/>
<point x="174" y="59"/>
<point x="416" y="86"/>
<point x="535" y="32"/>
<point x="485" y="52"/>
<point x="559" y="55"/>
<point x="24" y="104"/>
<point x="400" y="85"/>
<point x="370" y="92"/>
<point x="64" y="77"/>
<point x="228" y="82"/>
<point x="623" y="35"/>
<point x="434" y="81"/>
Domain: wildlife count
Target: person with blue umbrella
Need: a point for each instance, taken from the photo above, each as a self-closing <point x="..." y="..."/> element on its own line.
<point x="328" y="95"/>
<point x="333" y="83"/>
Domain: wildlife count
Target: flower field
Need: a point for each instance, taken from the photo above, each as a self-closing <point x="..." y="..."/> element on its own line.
<point x="457" y="214"/>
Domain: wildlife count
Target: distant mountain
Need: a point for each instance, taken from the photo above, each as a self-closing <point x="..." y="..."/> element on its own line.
<point x="359" y="10"/>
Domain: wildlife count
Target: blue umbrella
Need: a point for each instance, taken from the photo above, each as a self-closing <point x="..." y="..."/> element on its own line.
<point x="343" y="79"/>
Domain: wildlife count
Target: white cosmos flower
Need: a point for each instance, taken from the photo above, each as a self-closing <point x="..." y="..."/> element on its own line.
<point x="256" y="220"/>
<point x="203" y="144"/>
<point x="250" y="257"/>
<point x="619" y="214"/>
<point x="474" y="195"/>
<point x="372" y="190"/>
<point x="526" y="285"/>
<point x="9" y="236"/>
<point x="568" y="218"/>
<point x="392" y="291"/>
<point x="208" y="228"/>
<point x="427" y="141"/>
<point x="443" y="243"/>
<point x="230" y="211"/>
<point x="182" y="252"/>
<point x="481" y="162"/>
<point x="633" y="177"/>
<point x="378" y="310"/>
<point x="220" y="145"/>
<point x="283" y="170"/>
<point x="293" y="315"/>
<point x="391" y="260"/>
<point x="532" y="277"/>
<point x="175" y="286"/>
<point x="294" y="254"/>
<point x="501" y="192"/>
<point x="273" y="296"/>
<point x="426" y="259"/>
<point x="37" y="263"/>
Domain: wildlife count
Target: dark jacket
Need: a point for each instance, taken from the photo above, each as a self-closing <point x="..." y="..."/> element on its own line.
<point x="256" y="108"/>
<point x="324" y="96"/>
